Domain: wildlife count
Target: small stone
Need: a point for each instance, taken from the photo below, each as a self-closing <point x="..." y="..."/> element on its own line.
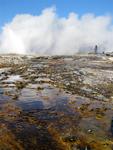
<point x="70" y="139"/>
<point x="89" y="131"/>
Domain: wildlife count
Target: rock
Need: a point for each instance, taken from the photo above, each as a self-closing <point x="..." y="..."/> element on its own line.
<point x="89" y="131"/>
<point x="70" y="139"/>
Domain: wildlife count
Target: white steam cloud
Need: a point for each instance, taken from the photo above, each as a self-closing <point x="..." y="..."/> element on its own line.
<point x="50" y="34"/>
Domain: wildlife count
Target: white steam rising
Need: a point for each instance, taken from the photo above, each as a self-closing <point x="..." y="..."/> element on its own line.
<point x="50" y="34"/>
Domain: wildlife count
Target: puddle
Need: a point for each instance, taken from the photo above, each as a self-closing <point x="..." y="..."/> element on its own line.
<point x="3" y="70"/>
<point x="48" y="97"/>
<point x="13" y="79"/>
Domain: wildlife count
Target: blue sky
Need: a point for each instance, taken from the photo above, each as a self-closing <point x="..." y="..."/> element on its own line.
<point x="9" y="8"/>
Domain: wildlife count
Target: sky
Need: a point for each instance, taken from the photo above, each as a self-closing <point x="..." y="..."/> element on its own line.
<point x="55" y="26"/>
<point x="9" y="8"/>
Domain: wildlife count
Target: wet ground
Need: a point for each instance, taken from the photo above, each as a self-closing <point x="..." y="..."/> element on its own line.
<point x="56" y="103"/>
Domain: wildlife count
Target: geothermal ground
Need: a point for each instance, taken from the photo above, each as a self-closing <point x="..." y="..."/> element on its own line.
<point x="56" y="103"/>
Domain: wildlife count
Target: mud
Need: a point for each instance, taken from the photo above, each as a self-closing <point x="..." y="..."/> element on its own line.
<point x="56" y="103"/>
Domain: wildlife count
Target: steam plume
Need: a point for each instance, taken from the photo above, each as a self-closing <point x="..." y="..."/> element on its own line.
<point x="50" y="34"/>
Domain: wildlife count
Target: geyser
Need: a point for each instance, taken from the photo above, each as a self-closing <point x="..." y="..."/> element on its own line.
<point x="50" y="34"/>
